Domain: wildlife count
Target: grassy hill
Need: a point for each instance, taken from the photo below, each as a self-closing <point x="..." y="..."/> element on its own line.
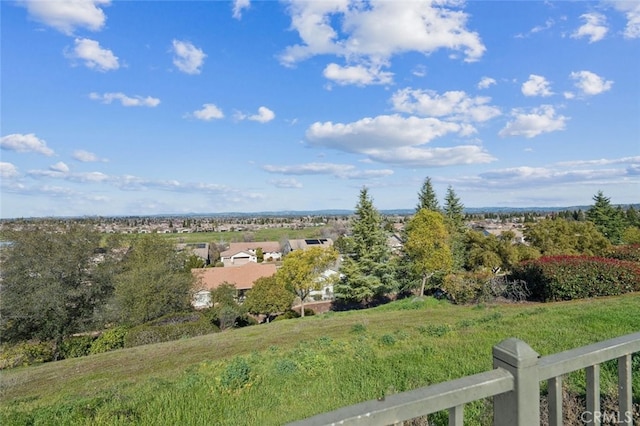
<point x="275" y="373"/>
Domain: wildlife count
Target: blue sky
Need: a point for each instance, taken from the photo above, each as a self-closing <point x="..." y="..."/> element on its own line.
<point x="158" y="107"/>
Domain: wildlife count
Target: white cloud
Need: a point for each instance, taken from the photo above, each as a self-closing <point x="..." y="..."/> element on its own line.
<point x="536" y="86"/>
<point x="381" y="132"/>
<point x="397" y="140"/>
<point x="187" y="58"/>
<point x="25" y="143"/>
<point x="125" y="100"/>
<point x="358" y="75"/>
<point x="409" y="156"/>
<point x="590" y="83"/>
<point x="539" y="120"/>
<point x="94" y="56"/>
<point x="208" y="112"/>
<point x="264" y="115"/>
<point x="8" y="170"/>
<point x="286" y="183"/>
<point x="67" y="15"/>
<point x="342" y="171"/>
<point x="486" y="82"/>
<point x="238" y="6"/>
<point x="595" y="27"/>
<point x="86" y="156"/>
<point x="456" y="105"/>
<point x="370" y="34"/>
<point x="59" y="167"/>
<point x="631" y="9"/>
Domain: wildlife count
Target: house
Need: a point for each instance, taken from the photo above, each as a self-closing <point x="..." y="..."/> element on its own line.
<point x="199" y="249"/>
<point x="307" y="243"/>
<point x="394" y="242"/>
<point x="325" y="292"/>
<point x="242" y="253"/>
<point x="243" y="277"/>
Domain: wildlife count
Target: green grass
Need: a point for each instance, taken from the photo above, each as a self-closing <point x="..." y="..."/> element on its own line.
<point x="275" y="373"/>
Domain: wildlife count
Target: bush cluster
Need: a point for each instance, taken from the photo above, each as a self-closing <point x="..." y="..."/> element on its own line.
<point x="76" y="346"/>
<point x="629" y="252"/>
<point x="478" y="287"/>
<point x="170" y="327"/>
<point x="555" y="278"/>
<point x="109" y="340"/>
<point x="25" y="353"/>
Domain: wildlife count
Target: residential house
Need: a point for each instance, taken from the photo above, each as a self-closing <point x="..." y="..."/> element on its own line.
<point x="307" y="243"/>
<point x="243" y="277"/>
<point x="242" y="253"/>
<point x="199" y="249"/>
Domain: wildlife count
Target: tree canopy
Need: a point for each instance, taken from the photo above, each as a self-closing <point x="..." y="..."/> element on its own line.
<point x="268" y="297"/>
<point x="559" y="236"/>
<point x="301" y="271"/>
<point x="153" y="282"/>
<point x="427" y="198"/>
<point x="608" y="220"/>
<point x="427" y="244"/>
<point x="54" y="280"/>
<point x="366" y="270"/>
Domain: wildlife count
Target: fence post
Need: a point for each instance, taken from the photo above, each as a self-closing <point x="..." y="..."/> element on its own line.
<point x="521" y="406"/>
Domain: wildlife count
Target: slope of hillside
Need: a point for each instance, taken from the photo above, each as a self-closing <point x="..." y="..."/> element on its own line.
<point x="287" y="370"/>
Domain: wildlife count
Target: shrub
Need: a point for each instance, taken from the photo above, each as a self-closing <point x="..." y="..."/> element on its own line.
<point x="171" y="327"/>
<point x="557" y="278"/>
<point x="25" y="353"/>
<point x="109" y="340"/>
<point x="236" y="375"/>
<point x="75" y="347"/>
<point x="628" y="252"/>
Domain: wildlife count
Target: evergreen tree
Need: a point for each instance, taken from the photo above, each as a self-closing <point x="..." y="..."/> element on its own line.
<point x="454" y="210"/>
<point x="366" y="270"/>
<point x="454" y="214"/>
<point x="608" y="220"/>
<point x="632" y="217"/>
<point x="427" y="197"/>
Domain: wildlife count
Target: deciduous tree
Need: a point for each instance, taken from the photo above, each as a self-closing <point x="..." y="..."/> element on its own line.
<point x="153" y="282"/>
<point x="301" y="271"/>
<point x="427" y="245"/>
<point x="54" y="279"/>
<point x="268" y="297"/>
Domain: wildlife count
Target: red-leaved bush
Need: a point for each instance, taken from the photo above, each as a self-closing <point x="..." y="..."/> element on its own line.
<point x="554" y="278"/>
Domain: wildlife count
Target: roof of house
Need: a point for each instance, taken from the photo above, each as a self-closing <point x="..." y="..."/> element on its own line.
<point x="266" y="246"/>
<point x="242" y="277"/>
<point x="310" y="242"/>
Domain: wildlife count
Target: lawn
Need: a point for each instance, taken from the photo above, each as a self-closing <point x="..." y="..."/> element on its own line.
<point x="270" y="234"/>
<point x="275" y="373"/>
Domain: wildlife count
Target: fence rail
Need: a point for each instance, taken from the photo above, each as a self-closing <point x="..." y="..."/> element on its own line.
<point x="514" y="385"/>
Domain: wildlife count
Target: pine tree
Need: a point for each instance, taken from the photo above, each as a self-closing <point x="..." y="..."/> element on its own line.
<point x="366" y="270"/>
<point x="454" y="210"/>
<point x="454" y="214"/>
<point x="608" y="220"/>
<point x="427" y="197"/>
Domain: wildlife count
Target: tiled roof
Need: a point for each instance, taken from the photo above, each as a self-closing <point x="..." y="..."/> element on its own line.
<point x="242" y="276"/>
<point x="266" y="246"/>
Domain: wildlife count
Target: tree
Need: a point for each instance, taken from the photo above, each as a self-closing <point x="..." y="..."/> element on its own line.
<point x="427" y="245"/>
<point x="608" y="220"/>
<point x="366" y="270"/>
<point x="54" y="279"/>
<point x="427" y="197"/>
<point x="268" y="297"/>
<point x="454" y="214"/>
<point x="193" y="262"/>
<point x="153" y="282"/>
<point x="301" y="271"/>
<point x="559" y="236"/>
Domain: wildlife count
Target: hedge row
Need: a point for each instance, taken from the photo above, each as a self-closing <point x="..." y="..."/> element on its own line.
<point x="555" y="278"/>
